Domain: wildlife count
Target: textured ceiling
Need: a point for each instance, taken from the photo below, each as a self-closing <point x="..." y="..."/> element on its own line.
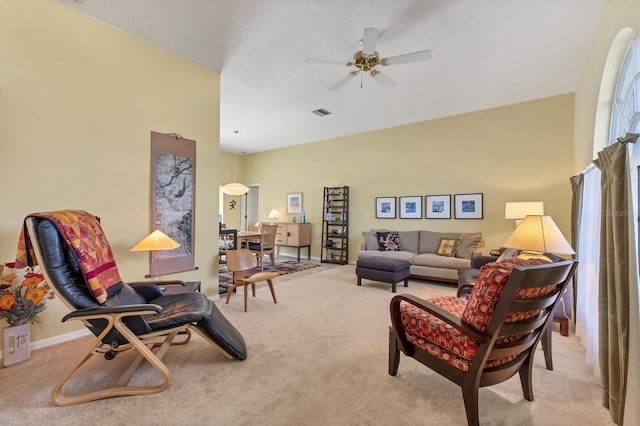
<point x="485" y="53"/>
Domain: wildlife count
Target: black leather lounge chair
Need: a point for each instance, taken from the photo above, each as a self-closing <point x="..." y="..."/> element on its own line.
<point x="138" y="317"/>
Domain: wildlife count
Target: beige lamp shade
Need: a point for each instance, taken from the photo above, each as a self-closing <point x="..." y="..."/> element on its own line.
<point x="519" y="210"/>
<point x="234" y="188"/>
<point x="155" y="241"/>
<point x="273" y="214"/>
<point x="539" y="234"/>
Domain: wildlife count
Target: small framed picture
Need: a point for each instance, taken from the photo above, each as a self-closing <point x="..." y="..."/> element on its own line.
<point x="468" y="206"/>
<point x="411" y="207"/>
<point x="437" y="206"/>
<point x="294" y="203"/>
<point x="385" y="207"/>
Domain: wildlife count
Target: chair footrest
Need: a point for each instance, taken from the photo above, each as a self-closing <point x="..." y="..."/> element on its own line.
<point x="223" y="333"/>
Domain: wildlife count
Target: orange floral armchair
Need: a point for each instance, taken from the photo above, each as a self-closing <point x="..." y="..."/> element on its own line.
<point x="487" y="339"/>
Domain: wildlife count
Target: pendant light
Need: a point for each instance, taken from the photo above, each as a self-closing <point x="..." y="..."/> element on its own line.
<point x="235" y="188"/>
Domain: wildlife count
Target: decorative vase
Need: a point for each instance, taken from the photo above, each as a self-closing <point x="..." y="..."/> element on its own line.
<point x="16" y="344"/>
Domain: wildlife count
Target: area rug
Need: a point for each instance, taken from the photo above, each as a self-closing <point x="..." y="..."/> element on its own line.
<point x="282" y="267"/>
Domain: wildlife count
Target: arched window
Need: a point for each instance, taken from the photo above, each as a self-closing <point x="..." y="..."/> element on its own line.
<point x="625" y="110"/>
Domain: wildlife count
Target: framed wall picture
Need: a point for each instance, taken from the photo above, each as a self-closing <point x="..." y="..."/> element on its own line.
<point x="411" y="207"/>
<point x="468" y="206"/>
<point x="294" y="203"/>
<point x="385" y="207"/>
<point x="437" y="206"/>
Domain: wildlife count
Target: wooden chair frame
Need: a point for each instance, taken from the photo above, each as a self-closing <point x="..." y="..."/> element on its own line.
<point x="267" y="244"/>
<point x="240" y="261"/>
<point x="477" y="376"/>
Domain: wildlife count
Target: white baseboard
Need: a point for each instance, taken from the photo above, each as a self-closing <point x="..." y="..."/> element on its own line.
<point x="61" y="338"/>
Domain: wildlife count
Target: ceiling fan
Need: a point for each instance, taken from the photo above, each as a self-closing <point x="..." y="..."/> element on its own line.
<point x="368" y="59"/>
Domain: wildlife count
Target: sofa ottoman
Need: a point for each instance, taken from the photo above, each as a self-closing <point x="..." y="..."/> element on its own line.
<point x="386" y="270"/>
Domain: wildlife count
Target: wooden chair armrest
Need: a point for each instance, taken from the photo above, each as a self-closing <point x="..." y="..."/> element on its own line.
<point x="142" y="309"/>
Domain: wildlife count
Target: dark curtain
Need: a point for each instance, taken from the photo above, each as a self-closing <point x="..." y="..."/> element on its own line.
<point x="613" y="299"/>
<point x="577" y="189"/>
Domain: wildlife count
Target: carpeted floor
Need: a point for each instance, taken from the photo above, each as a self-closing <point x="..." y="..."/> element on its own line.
<point x="317" y="357"/>
<point x="282" y="266"/>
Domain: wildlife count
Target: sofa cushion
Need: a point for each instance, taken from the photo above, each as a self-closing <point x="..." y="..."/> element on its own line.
<point x="435" y="261"/>
<point x="388" y="241"/>
<point x="469" y="242"/>
<point x="429" y="241"/>
<point x="448" y="246"/>
<point x="409" y="240"/>
<point x="407" y="255"/>
<point x="488" y="288"/>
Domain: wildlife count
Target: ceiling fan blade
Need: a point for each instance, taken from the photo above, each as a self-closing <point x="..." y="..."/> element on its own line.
<point x="369" y="41"/>
<point x="422" y="55"/>
<point x="344" y="80"/>
<point x="383" y="80"/>
<point x="328" y="61"/>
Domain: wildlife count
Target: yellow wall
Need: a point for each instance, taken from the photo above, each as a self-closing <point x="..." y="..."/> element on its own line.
<point x="520" y="152"/>
<point x="78" y="101"/>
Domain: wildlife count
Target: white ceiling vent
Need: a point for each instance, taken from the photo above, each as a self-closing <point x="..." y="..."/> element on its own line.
<point x="321" y="112"/>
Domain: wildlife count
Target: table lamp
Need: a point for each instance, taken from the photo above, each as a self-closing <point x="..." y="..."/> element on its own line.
<point x="538" y="234"/>
<point x="156" y="241"/>
<point x="520" y="210"/>
<point x="273" y="214"/>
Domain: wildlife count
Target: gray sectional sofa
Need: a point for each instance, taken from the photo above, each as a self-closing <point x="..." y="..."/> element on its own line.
<point x="420" y="249"/>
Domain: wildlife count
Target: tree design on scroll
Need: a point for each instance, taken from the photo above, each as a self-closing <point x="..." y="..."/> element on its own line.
<point x="174" y="200"/>
<point x="173" y="194"/>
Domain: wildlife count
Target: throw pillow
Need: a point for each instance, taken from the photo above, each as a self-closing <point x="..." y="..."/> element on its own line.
<point x="388" y="241"/>
<point x="469" y="243"/>
<point x="448" y="246"/>
<point x="370" y="240"/>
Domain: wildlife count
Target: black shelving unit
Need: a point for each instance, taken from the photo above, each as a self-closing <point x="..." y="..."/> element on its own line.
<point x="335" y="225"/>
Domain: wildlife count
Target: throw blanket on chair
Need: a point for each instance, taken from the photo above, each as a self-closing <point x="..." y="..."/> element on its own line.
<point x="83" y="233"/>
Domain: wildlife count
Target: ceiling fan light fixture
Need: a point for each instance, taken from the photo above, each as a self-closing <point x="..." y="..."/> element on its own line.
<point x="368" y="58"/>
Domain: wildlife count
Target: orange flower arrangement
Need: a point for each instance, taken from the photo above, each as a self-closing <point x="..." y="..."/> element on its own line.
<point x="22" y="296"/>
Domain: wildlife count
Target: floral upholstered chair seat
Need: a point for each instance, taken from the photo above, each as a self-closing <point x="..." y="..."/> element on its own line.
<point x="450" y="344"/>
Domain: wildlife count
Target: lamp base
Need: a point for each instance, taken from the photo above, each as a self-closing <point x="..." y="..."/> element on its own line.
<point x="526" y="255"/>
